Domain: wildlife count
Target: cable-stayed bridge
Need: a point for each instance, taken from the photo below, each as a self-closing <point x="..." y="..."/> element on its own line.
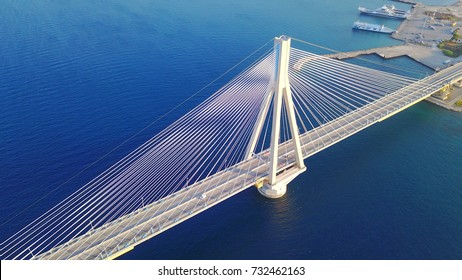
<point x="254" y="131"/>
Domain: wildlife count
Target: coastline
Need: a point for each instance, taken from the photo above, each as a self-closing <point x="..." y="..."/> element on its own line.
<point x="420" y="35"/>
<point x="453" y="95"/>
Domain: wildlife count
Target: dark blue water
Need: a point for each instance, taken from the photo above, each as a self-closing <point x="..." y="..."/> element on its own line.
<point x="77" y="78"/>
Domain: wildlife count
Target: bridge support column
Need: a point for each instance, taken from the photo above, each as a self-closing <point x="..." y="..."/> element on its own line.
<point x="276" y="184"/>
<point x="278" y="189"/>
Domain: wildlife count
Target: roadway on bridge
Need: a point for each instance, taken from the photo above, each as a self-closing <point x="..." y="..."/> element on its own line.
<point x="123" y="234"/>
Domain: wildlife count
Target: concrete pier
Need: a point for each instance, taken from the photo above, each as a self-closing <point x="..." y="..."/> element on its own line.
<point x="420" y="33"/>
<point x="431" y="57"/>
<point x="410" y="2"/>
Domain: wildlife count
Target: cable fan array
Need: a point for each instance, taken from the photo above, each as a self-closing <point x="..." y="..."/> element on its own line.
<point x="209" y="139"/>
<point x="324" y="89"/>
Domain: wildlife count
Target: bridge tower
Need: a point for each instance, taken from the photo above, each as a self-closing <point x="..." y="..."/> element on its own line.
<point x="275" y="185"/>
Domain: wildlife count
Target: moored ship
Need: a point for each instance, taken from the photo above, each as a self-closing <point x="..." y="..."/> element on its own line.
<point x="372" y="27"/>
<point x="388" y="11"/>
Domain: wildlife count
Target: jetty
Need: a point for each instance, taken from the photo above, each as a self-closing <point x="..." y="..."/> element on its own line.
<point x="421" y="33"/>
<point x="410" y="2"/>
<point x="430" y="57"/>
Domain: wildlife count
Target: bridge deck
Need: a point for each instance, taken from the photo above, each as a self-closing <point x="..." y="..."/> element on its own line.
<point x="114" y="238"/>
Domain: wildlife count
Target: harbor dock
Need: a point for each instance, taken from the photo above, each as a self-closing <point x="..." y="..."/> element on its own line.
<point x="431" y="57"/>
<point x="410" y="2"/>
<point x="421" y="32"/>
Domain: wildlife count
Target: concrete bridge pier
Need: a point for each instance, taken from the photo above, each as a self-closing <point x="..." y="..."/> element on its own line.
<point x="279" y="189"/>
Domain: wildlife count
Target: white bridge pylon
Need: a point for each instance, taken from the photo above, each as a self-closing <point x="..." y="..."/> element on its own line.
<point x="275" y="185"/>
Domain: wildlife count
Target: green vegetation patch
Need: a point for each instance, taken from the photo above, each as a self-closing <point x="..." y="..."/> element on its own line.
<point x="452" y="47"/>
<point x="458" y="103"/>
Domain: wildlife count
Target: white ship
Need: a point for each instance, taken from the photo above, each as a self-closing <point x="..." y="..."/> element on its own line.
<point x="388" y="11"/>
<point x="372" y="27"/>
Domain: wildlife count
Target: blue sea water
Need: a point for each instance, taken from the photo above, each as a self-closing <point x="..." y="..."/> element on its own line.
<point x="77" y="78"/>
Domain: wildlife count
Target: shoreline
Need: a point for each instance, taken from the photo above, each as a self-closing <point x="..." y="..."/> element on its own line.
<point x="453" y="95"/>
<point x="441" y="103"/>
<point x="419" y="37"/>
<point x="420" y="34"/>
<point x="389" y="52"/>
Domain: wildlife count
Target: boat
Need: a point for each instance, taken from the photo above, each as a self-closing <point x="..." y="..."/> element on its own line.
<point x="388" y="11"/>
<point x="372" y="27"/>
